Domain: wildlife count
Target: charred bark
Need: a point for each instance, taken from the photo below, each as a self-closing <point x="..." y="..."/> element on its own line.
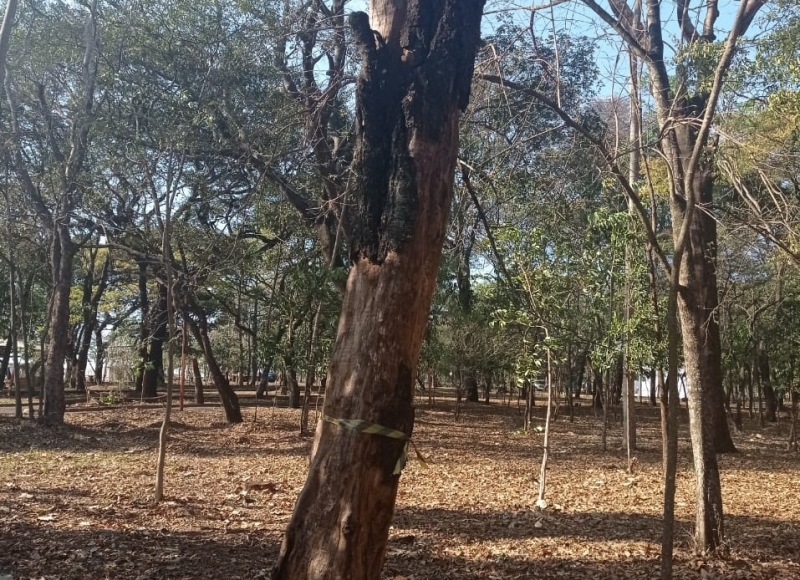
<point x="414" y="83"/>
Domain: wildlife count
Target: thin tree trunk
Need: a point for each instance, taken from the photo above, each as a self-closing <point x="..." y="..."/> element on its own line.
<point x="24" y="318"/>
<point x="184" y="341"/>
<point x="634" y="173"/>
<point x="540" y="501"/>
<point x="606" y="405"/>
<point x="12" y="315"/>
<point x="794" y="396"/>
<point x="311" y="370"/>
<point x="669" y="420"/>
<point x="163" y="434"/>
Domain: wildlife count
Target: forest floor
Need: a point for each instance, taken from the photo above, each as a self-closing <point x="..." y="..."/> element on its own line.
<point x="76" y="501"/>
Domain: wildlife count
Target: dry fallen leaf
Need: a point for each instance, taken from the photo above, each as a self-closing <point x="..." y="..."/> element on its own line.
<point x="472" y="515"/>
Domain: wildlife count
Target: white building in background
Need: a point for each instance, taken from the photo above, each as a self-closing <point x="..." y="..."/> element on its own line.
<point x="643" y="386"/>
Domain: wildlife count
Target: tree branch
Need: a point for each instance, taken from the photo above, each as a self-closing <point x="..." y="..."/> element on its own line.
<point x="620" y="29"/>
<point x="716" y="88"/>
<point x="632" y="196"/>
<point x="465" y="176"/>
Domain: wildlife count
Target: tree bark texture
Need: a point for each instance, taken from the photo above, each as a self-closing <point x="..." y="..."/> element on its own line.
<point x="414" y="82"/>
<point x="697" y="304"/>
<point x="62" y="253"/>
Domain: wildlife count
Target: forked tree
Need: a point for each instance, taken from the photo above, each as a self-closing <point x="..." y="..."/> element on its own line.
<point x="416" y="71"/>
<point x="685" y="91"/>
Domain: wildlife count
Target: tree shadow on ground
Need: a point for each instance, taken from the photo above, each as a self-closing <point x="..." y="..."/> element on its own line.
<point x="753" y="534"/>
<point x="116" y="436"/>
<point x="36" y="551"/>
<point x="422" y="560"/>
<point x="44" y="551"/>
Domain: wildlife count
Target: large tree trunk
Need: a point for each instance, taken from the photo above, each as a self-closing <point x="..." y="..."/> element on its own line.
<point x="413" y="85"/>
<point x="154" y="368"/>
<point x="62" y="252"/>
<point x="697" y="303"/>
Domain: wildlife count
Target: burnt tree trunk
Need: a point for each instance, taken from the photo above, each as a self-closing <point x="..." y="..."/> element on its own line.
<point x="414" y="83"/>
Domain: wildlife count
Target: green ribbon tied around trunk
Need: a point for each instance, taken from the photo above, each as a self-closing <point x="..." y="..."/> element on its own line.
<point x="360" y="426"/>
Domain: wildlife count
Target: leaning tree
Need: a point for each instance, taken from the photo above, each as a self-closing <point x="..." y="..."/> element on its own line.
<point x="416" y="71"/>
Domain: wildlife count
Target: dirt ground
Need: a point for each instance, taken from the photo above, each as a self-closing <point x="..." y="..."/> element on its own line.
<point x="76" y="502"/>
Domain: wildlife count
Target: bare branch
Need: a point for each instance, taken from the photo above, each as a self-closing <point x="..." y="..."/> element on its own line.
<point x="632" y="196"/>
<point x="716" y="88"/>
<point x="626" y="34"/>
<point x="465" y="176"/>
<point x="688" y="31"/>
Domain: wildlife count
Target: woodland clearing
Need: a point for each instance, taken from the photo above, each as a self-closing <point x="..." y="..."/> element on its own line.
<point x="76" y="501"/>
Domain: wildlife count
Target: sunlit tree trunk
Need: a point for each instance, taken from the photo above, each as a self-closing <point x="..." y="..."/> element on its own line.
<point x="414" y="83"/>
